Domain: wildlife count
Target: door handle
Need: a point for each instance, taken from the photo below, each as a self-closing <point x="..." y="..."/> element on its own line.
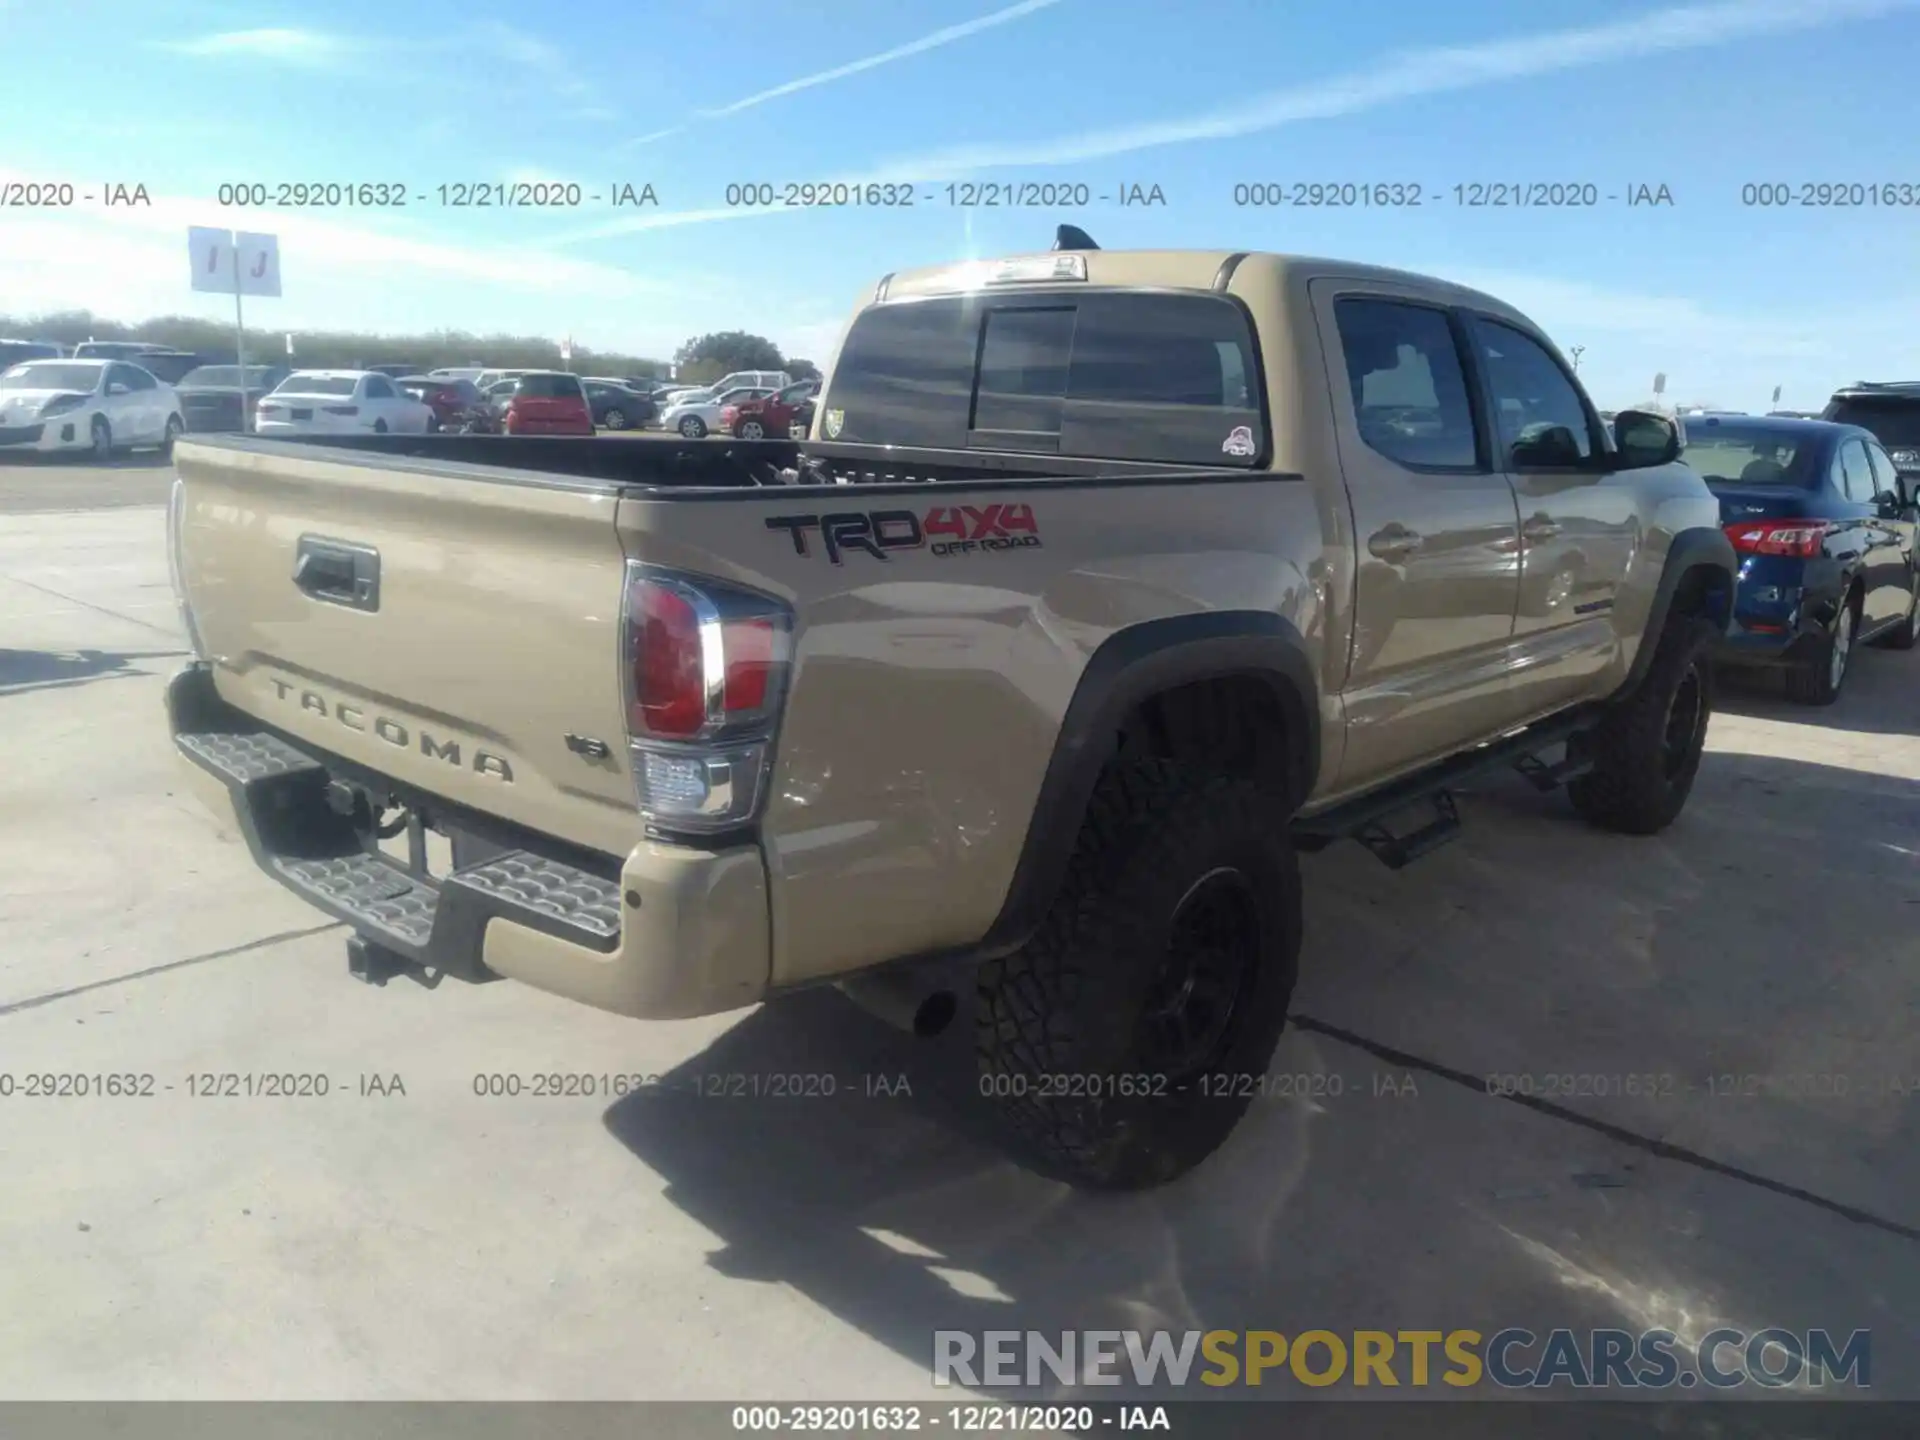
<point x="1539" y="529"/>
<point x="338" y="573"/>
<point x="1396" y="542"/>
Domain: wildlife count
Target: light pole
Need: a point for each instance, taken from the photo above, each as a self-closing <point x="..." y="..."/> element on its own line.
<point x="1576" y="352"/>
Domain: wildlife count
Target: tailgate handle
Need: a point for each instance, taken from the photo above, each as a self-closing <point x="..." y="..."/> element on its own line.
<point x="338" y="573"/>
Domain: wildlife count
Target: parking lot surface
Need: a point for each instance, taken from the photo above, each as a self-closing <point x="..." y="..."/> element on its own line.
<point x="403" y="1236"/>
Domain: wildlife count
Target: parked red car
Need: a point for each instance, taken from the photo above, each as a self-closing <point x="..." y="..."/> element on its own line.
<point x="457" y="405"/>
<point x="770" y="417"/>
<point x="548" y="402"/>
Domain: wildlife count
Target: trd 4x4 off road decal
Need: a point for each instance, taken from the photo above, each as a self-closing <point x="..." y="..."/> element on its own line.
<point x="944" y="530"/>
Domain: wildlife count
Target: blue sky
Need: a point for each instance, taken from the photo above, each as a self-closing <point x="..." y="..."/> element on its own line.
<point x="1728" y="300"/>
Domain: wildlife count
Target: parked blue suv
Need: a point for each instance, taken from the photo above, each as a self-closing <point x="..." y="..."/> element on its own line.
<point x="1824" y="526"/>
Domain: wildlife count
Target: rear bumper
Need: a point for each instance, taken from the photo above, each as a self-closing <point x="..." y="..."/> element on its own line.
<point x="668" y="932"/>
<point x="1768" y="650"/>
<point x="1783" y="611"/>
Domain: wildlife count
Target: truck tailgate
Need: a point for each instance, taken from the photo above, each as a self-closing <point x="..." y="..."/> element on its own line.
<point x="484" y="631"/>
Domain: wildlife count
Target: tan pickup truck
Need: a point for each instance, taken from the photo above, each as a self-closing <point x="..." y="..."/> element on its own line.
<point x="1106" y="582"/>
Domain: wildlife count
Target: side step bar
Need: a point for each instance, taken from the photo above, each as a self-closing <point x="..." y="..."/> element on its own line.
<point x="1365" y="817"/>
<point x="403" y="915"/>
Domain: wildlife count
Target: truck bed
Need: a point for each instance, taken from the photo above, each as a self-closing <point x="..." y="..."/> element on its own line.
<point x="442" y="617"/>
<point x="672" y="462"/>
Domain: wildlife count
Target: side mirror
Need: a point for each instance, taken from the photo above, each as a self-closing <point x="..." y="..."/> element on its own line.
<point x="1645" y="439"/>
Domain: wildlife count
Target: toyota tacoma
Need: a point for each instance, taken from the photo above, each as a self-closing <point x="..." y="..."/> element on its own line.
<point x="1105" y="583"/>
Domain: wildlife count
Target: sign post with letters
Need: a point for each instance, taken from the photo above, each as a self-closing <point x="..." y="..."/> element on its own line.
<point x="245" y="264"/>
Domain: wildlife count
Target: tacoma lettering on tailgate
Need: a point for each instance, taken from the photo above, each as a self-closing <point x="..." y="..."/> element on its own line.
<point x="483" y="762"/>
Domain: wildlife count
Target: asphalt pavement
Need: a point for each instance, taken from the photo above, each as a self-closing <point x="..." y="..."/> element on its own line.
<point x="42" y="483"/>
<point x="1710" y="1038"/>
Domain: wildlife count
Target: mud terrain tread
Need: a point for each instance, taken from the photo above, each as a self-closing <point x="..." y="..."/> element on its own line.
<point x="1057" y="1006"/>
<point x="1625" y="791"/>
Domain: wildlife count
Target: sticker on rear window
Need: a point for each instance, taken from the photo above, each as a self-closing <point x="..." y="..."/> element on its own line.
<point x="835" y="420"/>
<point x="1240" y="442"/>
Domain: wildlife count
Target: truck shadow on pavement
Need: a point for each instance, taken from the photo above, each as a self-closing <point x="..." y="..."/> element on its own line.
<point x="1774" y="932"/>
<point x="24" y="670"/>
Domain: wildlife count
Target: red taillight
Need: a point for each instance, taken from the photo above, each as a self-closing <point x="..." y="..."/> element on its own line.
<point x="706" y="658"/>
<point x="749" y="659"/>
<point x="669" y="663"/>
<point x="707" y="666"/>
<point x="1800" y="539"/>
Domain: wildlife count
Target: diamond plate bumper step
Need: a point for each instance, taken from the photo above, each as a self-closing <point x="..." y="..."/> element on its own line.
<point x="280" y="800"/>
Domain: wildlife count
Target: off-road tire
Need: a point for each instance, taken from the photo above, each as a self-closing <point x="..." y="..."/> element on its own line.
<point x="1632" y="788"/>
<point x="1059" y="1045"/>
<point x="1815" y="683"/>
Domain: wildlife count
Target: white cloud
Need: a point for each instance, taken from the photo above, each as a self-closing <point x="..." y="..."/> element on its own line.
<point x="934" y="40"/>
<point x="947" y="35"/>
<point x="541" y="57"/>
<point x="296" y="47"/>
<point x="639" y="223"/>
<point x="650" y="137"/>
<point x="315" y="49"/>
<point x="1413" y="74"/>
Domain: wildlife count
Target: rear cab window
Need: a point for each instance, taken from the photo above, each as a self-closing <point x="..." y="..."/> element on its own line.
<point x="1160" y="377"/>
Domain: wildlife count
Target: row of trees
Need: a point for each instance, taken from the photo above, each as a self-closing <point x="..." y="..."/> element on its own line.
<point x="703" y="358"/>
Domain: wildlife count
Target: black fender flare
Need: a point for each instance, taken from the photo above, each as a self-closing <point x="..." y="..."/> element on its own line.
<point x="1703" y="547"/>
<point x="1130" y="666"/>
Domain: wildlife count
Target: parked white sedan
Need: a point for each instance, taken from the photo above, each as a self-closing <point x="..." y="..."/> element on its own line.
<point x="340" y="402"/>
<point x="694" y="417"/>
<point x="97" y="405"/>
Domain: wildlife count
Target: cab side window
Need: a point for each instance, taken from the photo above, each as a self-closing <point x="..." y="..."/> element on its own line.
<point x="1543" y="422"/>
<point x="1855" y="473"/>
<point x="1886" y="479"/>
<point x="379" y="388"/>
<point x="1409" y="385"/>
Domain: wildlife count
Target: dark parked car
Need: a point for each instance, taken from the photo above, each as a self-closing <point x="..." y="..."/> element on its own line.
<point x="1891" y="411"/>
<point x="458" y="406"/>
<point x="212" y="399"/>
<point x="12" y="352"/>
<point x="172" y="366"/>
<point x="618" y="407"/>
<point x="1824" y="528"/>
<point x="117" y="349"/>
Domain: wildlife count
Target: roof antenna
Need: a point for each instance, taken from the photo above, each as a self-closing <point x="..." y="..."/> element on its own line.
<point x="1072" y="237"/>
